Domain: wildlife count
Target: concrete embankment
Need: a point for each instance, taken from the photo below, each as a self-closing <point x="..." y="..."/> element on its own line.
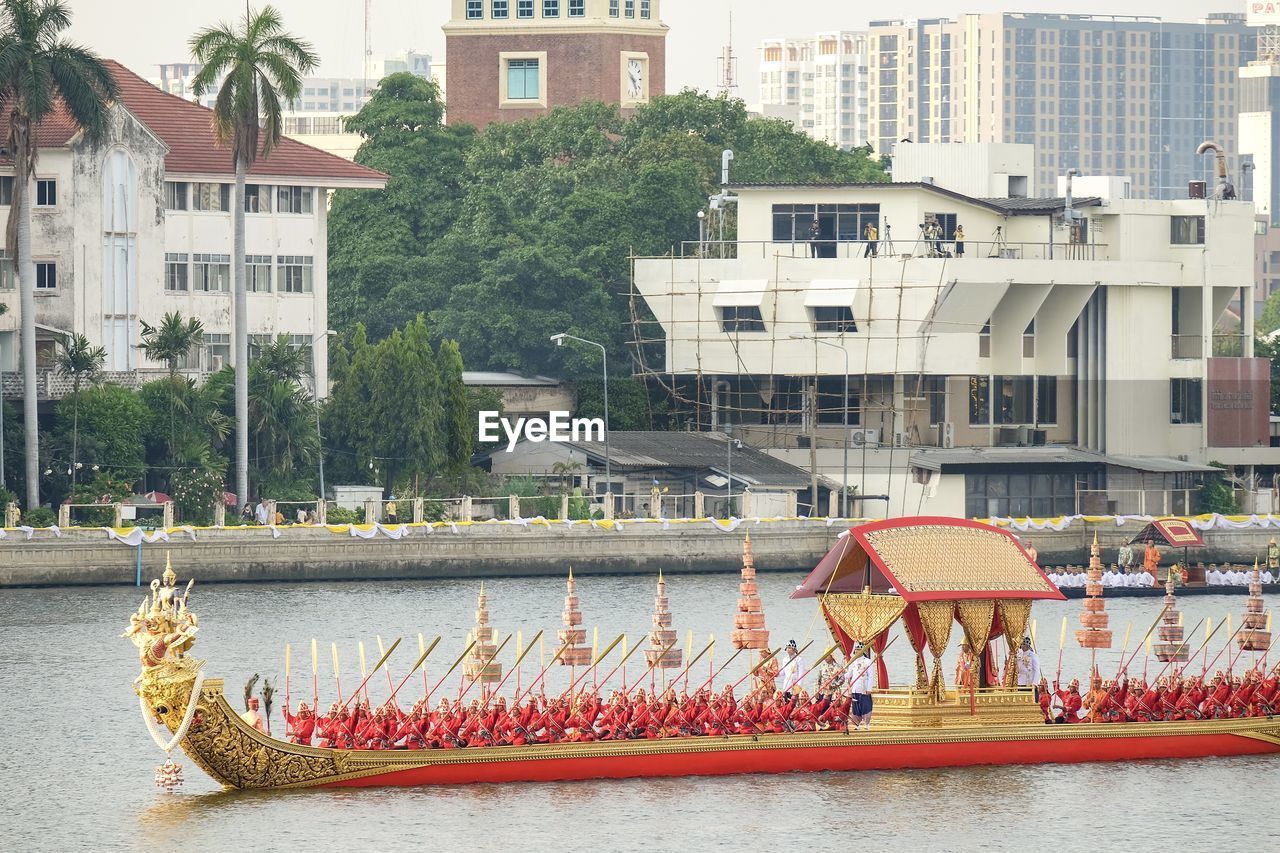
<point x="88" y="556"/>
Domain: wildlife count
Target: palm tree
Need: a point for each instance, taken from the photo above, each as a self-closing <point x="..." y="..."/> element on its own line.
<point x="253" y="68"/>
<point x="171" y="342"/>
<point x="282" y="361"/>
<point x="81" y="361"/>
<point x="38" y="70"/>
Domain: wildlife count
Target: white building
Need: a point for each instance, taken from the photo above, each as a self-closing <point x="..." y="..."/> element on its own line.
<point x="1049" y="368"/>
<point x="319" y="116"/>
<point x="819" y="84"/>
<point x="140" y="225"/>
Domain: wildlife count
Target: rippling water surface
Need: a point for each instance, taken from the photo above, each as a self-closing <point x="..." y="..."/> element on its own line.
<point x="76" y="772"/>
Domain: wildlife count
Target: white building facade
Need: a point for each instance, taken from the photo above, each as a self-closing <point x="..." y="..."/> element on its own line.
<point x="140" y="225"/>
<point x="819" y="84"/>
<point x="1074" y="342"/>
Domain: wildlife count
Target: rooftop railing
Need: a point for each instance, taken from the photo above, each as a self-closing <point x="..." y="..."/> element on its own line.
<point x="901" y="249"/>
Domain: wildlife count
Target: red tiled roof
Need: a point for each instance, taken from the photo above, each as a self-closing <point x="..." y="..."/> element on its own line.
<point x="186" y="129"/>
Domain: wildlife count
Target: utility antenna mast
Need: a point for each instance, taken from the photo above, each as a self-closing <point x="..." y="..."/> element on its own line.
<point x="728" y="64"/>
<point x="368" y="48"/>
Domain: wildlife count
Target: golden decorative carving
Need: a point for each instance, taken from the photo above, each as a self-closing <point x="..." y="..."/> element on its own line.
<point x="937" y="616"/>
<point x="934" y="558"/>
<point x="862" y="616"/>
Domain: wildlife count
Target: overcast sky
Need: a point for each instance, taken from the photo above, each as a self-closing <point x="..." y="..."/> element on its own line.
<point x="144" y="33"/>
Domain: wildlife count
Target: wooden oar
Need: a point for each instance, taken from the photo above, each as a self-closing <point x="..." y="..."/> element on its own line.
<point x="480" y="674"/>
<point x="626" y="654"/>
<point x="451" y="669"/>
<point x="376" y="667"/>
<point x="515" y="668"/>
<point x="337" y="671"/>
<point x="421" y="659"/>
<point x="718" y="671"/>
<point x="542" y="672"/>
<point x="1124" y="665"/>
<point x="315" y="675"/>
<point x="657" y="659"/>
<point x="594" y="662"/>
<point x="287" y="656"/>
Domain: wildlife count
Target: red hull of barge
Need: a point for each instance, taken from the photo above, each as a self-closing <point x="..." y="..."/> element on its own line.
<point x="870" y="751"/>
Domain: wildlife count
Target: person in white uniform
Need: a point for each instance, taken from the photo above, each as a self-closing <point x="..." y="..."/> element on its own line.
<point x="1028" y="665"/>
<point x="789" y="674"/>
<point x="860" y="691"/>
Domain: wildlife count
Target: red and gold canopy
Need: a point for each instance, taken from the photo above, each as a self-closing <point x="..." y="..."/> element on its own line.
<point x="929" y="558"/>
<point x="1177" y="532"/>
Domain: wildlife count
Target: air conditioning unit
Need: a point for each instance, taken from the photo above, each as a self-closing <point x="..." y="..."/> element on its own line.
<point x="215" y="363"/>
<point x="864" y="437"/>
<point x="901" y="439"/>
<point x="947" y="434"/>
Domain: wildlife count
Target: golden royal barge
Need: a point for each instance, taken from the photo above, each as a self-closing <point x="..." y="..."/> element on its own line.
<point x="925" y="573"/>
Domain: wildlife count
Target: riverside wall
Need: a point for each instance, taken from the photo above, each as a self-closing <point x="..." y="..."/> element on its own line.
<point x="83" y="556"/>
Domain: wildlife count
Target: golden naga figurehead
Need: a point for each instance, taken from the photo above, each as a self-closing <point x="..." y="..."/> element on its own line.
<point x="165" y="630"/>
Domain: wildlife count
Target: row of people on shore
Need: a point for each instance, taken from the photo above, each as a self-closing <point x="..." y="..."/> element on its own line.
<point x="1174" y="697"/>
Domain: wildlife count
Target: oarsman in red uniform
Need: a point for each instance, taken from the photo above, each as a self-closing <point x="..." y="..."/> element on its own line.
<point x="1046" y="698"/>
<point x="1071" y="701"/>
<point x="302" y="725"/>
<point x="1219" y="692"/>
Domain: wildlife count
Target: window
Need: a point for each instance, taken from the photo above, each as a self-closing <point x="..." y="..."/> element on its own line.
<point x="830" y="397"/>
<point x="1184" y="401"/>
<point x="475" y="10"/>
<point x="1015" y="400"/>
<point x="46" y="275"/>
<point x="175" y="195"/>
<point x="294" y="273"/>
<point x="6" y="190"/>
<point x="1046" y="400"/>
<point x="500" y="10"/>
<point x="577" y="8"/>
<point x="629" y="7"/>
<point x="293" y="199"/>
<point x="257" y="198"/>
<point x="257" y="273"/>
<point x="742" y="318"/>
<point x="979" y="400"/>
<point x="838" y="319"/>
<point x="644" y="8"/>
<point x="46" y="192"/>
<point x="1186" y="230"/>
<point x="522" y="80"/>
<point x="613" y="8"/>
<point x="176" y="272"/>
<point x="7" y="273"/>
<point x="524" y="8"/>
<point x="211" y="196"/>
<point x="217" y="351"/>
<point x="550" y="8"/>
<point x="1042" y="495"/>
<point x="211" y="273"/>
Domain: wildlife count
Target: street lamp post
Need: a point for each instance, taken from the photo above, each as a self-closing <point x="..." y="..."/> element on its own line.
<point x="315" y="387"/>
<point x="844" y="421"/>
<point x="604" y="361"/>
<point x="728" y="445"/>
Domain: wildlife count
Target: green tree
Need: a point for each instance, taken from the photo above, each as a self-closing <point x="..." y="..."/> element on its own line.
<point x="459" y="423"/>
<point x="282" y="361"/>
<point x="254" y="68"/>
<point x="112" y="426"/>
<point x="39" y="72"/>
<point x="172" y="342"/>
<point x="81" y="361"/>
<point x="1269" y="320"/>
<point x="405" y="137"/>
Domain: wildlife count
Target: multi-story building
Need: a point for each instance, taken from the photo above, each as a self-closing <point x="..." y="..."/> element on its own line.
<point x="1060" y="358"/>
<point x="319" y="116"/>
<point x="1102" y="94"/>
<point x="140" y="225"/>
<point x="818" y="84"/>
<point x="509" y="60"/>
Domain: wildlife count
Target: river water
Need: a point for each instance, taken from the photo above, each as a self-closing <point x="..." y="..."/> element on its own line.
<point x="77" y="770"/>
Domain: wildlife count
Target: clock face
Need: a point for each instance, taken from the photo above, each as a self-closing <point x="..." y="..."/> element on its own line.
<point x="635" y="79"/>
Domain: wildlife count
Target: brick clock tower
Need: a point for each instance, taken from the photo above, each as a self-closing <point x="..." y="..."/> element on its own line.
<point x="508" y="60"/>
